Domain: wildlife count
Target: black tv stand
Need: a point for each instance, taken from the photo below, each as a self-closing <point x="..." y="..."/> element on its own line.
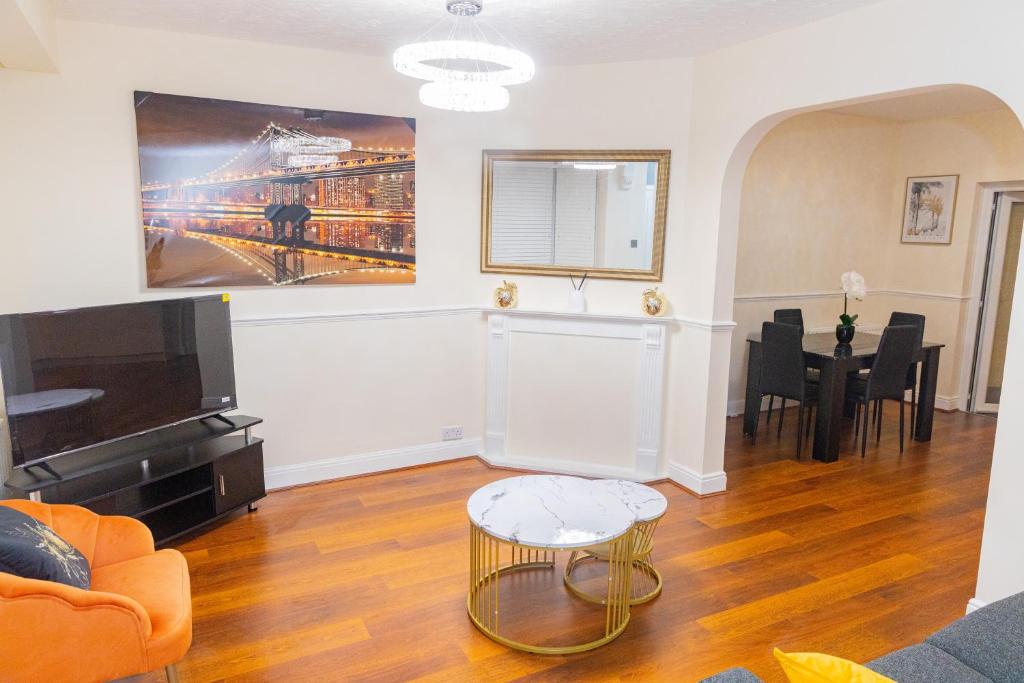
<point x="220" y="417"/>
<point x="174" y="480"/>
<point x="45" y="467"/>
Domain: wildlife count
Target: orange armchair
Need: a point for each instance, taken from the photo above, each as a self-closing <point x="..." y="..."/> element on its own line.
<point x="137" y="617"/>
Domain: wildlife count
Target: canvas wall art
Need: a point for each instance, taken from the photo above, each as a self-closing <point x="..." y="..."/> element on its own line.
<point x="237" y="194"/>
<point x="928" y="209"/>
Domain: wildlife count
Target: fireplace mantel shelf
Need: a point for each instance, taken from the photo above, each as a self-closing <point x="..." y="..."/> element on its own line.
<point x="586" y="316"/>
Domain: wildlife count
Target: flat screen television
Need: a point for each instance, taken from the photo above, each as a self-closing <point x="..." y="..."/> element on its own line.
<point x="79" y="378"/>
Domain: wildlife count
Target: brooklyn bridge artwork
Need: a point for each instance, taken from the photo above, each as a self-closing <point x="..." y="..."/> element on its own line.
<point x="238" y="194"/>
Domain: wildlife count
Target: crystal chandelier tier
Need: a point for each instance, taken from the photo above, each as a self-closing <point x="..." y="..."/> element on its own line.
<point x="464" y="72"/>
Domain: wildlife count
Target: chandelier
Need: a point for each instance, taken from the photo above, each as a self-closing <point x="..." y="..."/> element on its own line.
<point x="464" y="72"/>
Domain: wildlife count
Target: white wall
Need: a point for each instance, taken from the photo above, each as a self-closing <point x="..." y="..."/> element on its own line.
<point x="824" y="193"/>
<point x="333" y="389"/>
<point x="742" y="92"/>
<point x="28" y="35"/>
<point x="560" y="408"/>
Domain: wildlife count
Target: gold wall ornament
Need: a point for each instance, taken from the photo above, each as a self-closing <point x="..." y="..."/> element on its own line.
<point x="506" y="296"/>
<point x="653" y="302"/>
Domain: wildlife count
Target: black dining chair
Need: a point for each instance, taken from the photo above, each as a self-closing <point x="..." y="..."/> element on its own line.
<point x="784" y="374"/>
<point x="915" y="320"/>
<point x="790" y="316"/>
<point x="887" y="379"/>
<point x="787" y="316"/>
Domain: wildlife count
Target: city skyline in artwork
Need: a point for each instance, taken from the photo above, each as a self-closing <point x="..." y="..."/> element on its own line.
<point x="241" y="194"/>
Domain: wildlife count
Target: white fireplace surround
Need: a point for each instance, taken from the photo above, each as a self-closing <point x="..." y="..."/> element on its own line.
<point x="642" y="335"/>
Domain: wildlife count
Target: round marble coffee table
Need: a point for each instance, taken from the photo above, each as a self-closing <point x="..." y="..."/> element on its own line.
<point x="533" y="517"/>
<point x="648" y="506"/>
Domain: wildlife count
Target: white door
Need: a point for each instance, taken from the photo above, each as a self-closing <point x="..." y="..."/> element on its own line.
<point x="1004" y="252"/>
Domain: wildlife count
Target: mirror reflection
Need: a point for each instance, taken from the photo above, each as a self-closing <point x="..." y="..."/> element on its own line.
<point x="599" y="215"/>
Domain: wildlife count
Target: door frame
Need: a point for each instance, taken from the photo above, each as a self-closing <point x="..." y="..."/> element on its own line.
<point x="971" y="330"/>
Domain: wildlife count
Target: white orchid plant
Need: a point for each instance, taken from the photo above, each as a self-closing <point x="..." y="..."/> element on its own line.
<point x="853" y="285"/>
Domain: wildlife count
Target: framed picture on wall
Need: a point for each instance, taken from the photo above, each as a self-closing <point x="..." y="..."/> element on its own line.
<point x="238" y="194"/>
<point x="928" y="209"/>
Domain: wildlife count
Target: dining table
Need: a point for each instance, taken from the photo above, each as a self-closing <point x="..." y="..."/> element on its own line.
<point x="834" y="362"/>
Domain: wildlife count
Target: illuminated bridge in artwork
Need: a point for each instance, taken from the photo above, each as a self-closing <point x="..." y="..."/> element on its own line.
<point x="279" y="156"/>
<point x="263" y="183"/>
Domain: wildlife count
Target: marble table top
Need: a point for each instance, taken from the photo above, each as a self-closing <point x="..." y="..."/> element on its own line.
<point x="559" y="512"/>
<point x="645" y="502"/>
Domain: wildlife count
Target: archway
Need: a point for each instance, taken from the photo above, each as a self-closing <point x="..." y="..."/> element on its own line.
<point x="971" y="210"/>
<point x="821" y="195"/>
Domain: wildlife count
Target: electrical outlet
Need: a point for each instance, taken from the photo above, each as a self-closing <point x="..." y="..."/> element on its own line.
<point x="453" y="433"/>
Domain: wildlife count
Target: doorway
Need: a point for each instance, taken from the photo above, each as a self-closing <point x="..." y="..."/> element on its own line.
<point x="1003" y="254"/>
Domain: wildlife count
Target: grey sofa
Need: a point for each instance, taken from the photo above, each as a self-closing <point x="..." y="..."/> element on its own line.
<point x="985" y="646"/>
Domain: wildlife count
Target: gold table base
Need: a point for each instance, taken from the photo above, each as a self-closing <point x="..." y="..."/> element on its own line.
<point x="486" y="567"/>
<point x="646" y="583"/>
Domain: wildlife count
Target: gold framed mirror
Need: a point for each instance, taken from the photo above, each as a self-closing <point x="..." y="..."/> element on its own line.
<point x="562" y="212"/>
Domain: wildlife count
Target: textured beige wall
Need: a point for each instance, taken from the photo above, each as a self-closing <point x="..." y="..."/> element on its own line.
<point x="982" y="147"/>
<point x="814" y="194"/>
<point x="823" y="194"/>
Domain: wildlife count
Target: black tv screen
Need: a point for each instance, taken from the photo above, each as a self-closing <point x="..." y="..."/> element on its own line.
<point x="77" y="378"/>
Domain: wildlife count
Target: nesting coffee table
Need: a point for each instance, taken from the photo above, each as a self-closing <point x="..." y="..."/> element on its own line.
<point x="648" y="506"/>
<point x="522" y="522"/>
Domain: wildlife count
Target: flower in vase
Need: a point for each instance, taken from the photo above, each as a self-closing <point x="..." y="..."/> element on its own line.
<point x="853" y="285"/>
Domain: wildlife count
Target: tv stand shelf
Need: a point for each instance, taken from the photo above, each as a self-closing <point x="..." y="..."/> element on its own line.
<point x="174" y="479"/>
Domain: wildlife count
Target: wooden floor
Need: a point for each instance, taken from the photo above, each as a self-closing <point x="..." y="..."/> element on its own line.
<point x="365" y="579"/>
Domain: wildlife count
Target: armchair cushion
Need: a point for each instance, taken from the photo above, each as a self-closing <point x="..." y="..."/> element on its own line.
<point x="32" y="550"/>
<point x="102" y="539"/>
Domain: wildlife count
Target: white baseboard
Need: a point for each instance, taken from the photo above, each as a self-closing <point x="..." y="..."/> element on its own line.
<point x="975" y="604"/>
<point x="701" y="484"/>
<point x="737" y="407"/>
<point x="572" y="467"/>
<point x="282" y="476"/>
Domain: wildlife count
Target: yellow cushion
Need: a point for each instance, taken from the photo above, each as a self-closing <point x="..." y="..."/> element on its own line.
<point x="812" y="667"/>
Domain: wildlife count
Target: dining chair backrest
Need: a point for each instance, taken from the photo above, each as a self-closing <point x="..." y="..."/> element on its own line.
<point x="915" y="320"/>
<point x="783" y="368"/>
<point x="889" y="369"/>
<point x="790" y="316"/>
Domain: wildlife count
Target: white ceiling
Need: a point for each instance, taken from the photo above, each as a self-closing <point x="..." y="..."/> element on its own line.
<point x="551" y="31"/>
<point x="945" y="101"/>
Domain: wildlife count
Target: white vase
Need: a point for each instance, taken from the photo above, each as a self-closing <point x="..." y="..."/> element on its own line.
<point x="577" y="302"/>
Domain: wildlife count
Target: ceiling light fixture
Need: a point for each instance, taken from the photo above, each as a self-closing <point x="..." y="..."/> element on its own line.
<point x="464" y="72"/>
